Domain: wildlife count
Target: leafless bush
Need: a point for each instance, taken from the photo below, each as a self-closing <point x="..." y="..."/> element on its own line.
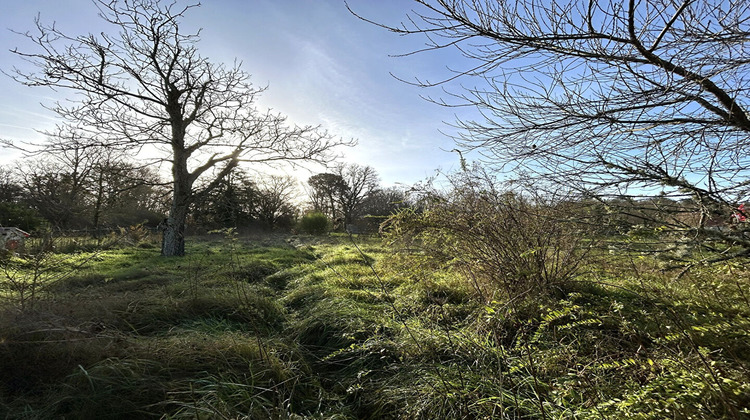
<point x="501" y="241"/>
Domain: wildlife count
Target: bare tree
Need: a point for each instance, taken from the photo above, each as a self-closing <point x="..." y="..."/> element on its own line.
<point x="359" y="183"/>
<point x="274" y="204"/>
<point x="341" y="193"/>
<point x="118" y="187"/>
<point x="624" y="99"/>
<point x="55" y="188"/>
<point x="147" y="86"/>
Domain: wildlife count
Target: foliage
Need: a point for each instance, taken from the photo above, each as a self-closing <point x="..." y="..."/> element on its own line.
<point x="380" y="205"/>
<point x="314" y="223"/>
<point x="239" y="201"/>
<point x="325" y="190"/>
<point x="344" y="194"/>
<point x="275" y="207"/>
<point x="228" y="204"/>
<point x="20" y="216"/>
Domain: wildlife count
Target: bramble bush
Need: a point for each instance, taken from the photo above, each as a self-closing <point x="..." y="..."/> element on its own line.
<point x="500" y="241"/>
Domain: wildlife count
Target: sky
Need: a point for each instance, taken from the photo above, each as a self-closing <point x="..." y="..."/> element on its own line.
<point x="323" y="66"/>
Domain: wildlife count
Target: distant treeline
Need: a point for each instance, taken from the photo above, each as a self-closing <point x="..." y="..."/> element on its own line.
<point x="90" y="191"/>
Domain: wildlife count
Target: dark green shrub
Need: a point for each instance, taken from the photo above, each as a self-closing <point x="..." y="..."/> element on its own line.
<point x="20" y="216"/>
<point x="314" y="223"/>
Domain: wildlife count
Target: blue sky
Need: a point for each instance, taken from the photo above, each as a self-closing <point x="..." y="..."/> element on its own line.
<point x="322" y="66"/>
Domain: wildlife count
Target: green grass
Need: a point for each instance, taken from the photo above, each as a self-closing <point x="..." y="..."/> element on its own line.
<point x="326" y="329"/>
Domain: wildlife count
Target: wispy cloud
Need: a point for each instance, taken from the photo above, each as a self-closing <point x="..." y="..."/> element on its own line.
<point x="322" y="64"/>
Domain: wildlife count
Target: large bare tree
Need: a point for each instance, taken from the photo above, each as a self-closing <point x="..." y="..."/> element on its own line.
<point x="360" y="182"/>
<point x="145" y="86"/>
<point x="274" y="204"/>
<point x="611" y="98"/>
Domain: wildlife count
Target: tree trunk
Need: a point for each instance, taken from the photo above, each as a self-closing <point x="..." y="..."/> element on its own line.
<point x="173" y="234"/>
<point x="98" y="204"/>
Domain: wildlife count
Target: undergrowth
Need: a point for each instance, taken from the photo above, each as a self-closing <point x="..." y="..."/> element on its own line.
<point x="332" y="328"/>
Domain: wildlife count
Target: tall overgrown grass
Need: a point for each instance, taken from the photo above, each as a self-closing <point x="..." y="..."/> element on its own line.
<point x="341" y="328"/>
